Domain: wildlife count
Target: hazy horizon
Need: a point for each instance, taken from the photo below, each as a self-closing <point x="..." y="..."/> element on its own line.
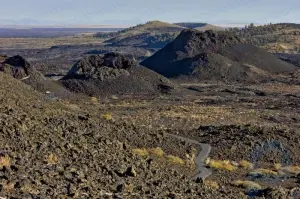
<point x="131" y="12"/>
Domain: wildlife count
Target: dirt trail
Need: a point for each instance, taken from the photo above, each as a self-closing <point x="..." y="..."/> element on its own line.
<point x="203" y="172"/>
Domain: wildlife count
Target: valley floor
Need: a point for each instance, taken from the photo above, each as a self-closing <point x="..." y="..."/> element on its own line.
<point x="253" y="131"/>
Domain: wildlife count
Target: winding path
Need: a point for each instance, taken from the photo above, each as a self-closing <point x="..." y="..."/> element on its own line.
<point x="203" y="172"/>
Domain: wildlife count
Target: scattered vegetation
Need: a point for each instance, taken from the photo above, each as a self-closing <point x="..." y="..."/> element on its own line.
<point x="9" y="187"/>
<point x="291" y="169"/>
<point x="141" y="152"/>
<point x="273" y="37"/>
<point x="5" y="161"/>
<point x="157" y="152"/>
<point x="247" y="184"/>
<point x="94" y="99"/>
<point x="107" y="116"/>
<point x="277" y="166"/>
<point x="175" y="160"/>
<point x="263" y="172"/>
<point x="246" y="165"/>
<point x="114" y="97"/>
<point x="51" y="159"/>
<point x="190" y="158"/>
<point x="129" y="188"/>
<point x="221" y="164"/>
<point x="211" y="184"/>
<point x="29" y="189"/>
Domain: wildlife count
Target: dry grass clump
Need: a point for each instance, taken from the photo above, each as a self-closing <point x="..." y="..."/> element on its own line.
<point x="94" y="99"/>
<point x="4" y="161"/>
<point x="107" y="116"/>
<point x="175" y="160"/>
<point x="52" y="159"/>
<point x="263" y="172"/>
<point x="157" y="152"/>
<point x="30" y="189"/>
<point x="190" y="158"/>
<point x="141" y="152"/>
<point x="247" y="184"/>
<point x="114" y="97"/>
<point x="246" y="165"/>
<point x="277" y="166"/>
<point x="129" y="188"/>
<point x="211" y="184"/>
<point x="221" y="164"/>
<point x="291" y="169"/>
<point x="9" y="187"/>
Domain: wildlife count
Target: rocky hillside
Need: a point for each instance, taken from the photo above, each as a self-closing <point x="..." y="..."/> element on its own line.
<point x="16" y="66"/>
<point x="153" y="34"/>
<point x="157" y="27"/>
<point x="19" y="68"/>
<point x="111" y="74"/>
<point x="50" y="150"/>
<point x="276" y="38"/>
<point x="146" y="40"/>
<point x="213" y="55"/>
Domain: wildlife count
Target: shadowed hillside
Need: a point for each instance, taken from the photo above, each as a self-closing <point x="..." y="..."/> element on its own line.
<point x="214" y="55"/>
<point x="112" y="74"/>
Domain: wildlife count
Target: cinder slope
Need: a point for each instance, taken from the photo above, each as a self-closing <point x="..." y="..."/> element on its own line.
<point x="112" y="73"/>
<point x="212" y="55"/>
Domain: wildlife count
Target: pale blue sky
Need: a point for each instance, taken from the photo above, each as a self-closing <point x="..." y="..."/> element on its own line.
<point x="130" y="12"/>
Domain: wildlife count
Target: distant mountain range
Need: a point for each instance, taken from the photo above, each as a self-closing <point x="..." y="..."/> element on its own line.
<point x="27" y="23"/>
<point x="32" y="23"/>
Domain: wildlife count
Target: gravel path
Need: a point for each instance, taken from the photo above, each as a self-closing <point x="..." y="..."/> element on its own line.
<point x="203" y="172"/>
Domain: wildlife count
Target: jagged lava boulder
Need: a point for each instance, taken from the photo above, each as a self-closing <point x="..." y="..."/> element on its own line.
<point x="16" y="66"/>
<point x="19" y="68"/>
<point x="109" y="66"/>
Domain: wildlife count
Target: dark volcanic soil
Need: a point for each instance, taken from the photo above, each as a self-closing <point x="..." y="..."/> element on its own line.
<point x="215" y="56"/>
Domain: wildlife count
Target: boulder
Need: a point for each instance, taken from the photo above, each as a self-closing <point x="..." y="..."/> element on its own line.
<point x="16" y="66"/>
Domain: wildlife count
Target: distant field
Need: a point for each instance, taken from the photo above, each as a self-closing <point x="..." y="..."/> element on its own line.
<point x="36" y="43"/>
<point x="50" y="32"/>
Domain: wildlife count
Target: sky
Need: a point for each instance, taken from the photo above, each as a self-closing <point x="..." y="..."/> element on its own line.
<point x="130" y="12"/>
